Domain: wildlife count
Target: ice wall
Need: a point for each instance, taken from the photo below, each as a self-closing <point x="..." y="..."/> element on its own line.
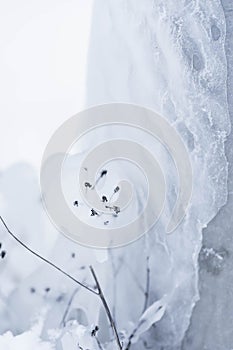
<point x="168" y="56"/>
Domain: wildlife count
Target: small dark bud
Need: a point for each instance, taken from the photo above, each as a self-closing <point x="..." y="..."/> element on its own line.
<point x="94" y="331"/>
<point x="75" y="203"/>
<point x="47" y="289"/>
<point x="116" y="209"/>
<point x="103" y="173"/>
<point x="104" y="199"/>
<point x="3" y="254"/>
<point x="93" y="212"/>
<point x="60" y="298"/>
<point x="32" y="290"/>
<point x="117" y="189"/>
<point x="87" y="184"/>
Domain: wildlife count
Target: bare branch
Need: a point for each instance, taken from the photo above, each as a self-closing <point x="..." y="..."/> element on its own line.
<point x="46" y="260"/>
<point x="63" y="321"/>
<point x="145" y="302"/>
<point x="115" y="272"/>
<point x="147" y="285"/>
<point x="99" y="291"/>
<point x="106" y="307"/>
<point x="99" y="343"/>
<point x="131" y="337"/>
<point x="135" y="276"/>
<point x="94" y="334"/>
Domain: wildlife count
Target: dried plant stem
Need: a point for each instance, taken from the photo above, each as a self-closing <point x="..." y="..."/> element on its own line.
<point x="99" y="291"/>
<point x="106" y="307"/>
<point x="147" y="285"/>
<point x="46" y="260"/>
<point x="63" y="322"/>
<point x="130" y="338"/>
<point x="98" y="343"/>
<point x="146" y="293"/>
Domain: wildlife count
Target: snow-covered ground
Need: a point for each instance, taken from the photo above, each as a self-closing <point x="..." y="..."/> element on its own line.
<point x="57" y="58"/>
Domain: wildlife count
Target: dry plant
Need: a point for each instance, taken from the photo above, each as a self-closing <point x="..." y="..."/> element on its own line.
<point x="149" y="315"/>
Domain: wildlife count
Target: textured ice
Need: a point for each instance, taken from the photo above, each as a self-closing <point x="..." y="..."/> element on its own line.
<point x="171" y="58"/>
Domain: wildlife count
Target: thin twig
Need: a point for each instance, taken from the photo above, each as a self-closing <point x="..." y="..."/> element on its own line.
<point x="63" y="321"/>
<point x="99" y="290"/>
<point x="103" y="173"/>
<point x="94" y="334"/>
<point x="131" y="337"/>
<point x="46" y="260"/>
<point x="135" y="276"/>
<point x="146" y="293"/>
<point x="114" y="284"/>
<point x="147" y="284"/>
<point x="98" y="343"/>
<point x="106" y="307"/>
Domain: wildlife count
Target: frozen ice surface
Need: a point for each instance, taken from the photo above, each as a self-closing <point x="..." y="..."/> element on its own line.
<point x="172" y="59"/>
<point x="212" y="320"/>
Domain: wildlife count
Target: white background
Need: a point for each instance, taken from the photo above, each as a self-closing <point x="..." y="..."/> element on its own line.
<point x="43" y="46"/>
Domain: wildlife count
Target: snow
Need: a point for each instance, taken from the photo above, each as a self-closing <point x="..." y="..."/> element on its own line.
<point x="26" y="341"/>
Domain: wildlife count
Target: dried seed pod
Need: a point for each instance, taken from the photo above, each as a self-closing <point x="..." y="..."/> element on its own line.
<point x="3" y="254"/>
<point x="117" y="189"/>
<point x="93" y="212"/>
<point x="103" y="173"/>
<point x="104" y="199"/>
